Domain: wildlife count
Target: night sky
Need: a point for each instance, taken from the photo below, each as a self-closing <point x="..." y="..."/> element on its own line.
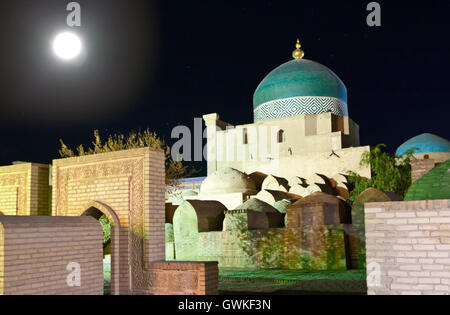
<point x="159" y="64"/>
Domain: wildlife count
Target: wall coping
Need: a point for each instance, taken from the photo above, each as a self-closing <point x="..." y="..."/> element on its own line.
<point x="21" y="167"/>
<point x="122" y="154"/>
<point x="409" y="205"/>
<point x="182" y="265"/>
<point x="36" y="222"/>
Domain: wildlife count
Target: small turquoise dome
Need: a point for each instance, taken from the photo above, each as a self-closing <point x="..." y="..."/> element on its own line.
<point x="299" y="86"/>
<point x="424" y="143"/>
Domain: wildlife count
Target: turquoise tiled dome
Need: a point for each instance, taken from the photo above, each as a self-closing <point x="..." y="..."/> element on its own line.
<point x="424" y="143"/>
<point x="299" y="86"/>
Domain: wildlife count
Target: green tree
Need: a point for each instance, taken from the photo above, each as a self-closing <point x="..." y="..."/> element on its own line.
<point x="106" y="227"/>
<point x="175" y="170"/>
<point x="389" y="173"/>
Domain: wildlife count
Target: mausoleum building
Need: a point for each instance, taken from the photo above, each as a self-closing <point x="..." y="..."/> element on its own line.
<point x="301" y="126"/>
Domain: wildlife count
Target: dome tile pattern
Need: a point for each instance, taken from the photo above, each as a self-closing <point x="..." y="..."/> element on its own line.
<point x="424" y="143"/>
<point x="299" y="86"/>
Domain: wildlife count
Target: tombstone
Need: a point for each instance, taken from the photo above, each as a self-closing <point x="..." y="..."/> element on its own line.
<point x="312" y="188"/>
<point x="340" y="178"/>
<point x="254" y="214"/>
<point x="297" y="180"/>
<point x="258" y="178"/>
<point x="299" y="190"/>
<point x="191" y="218"/>
<point x="45" y="255"/>
<point x="341" y="190"/>
<point x="282" y="204"/>
<point x="170" y="242"/>
<point x="272" y="196"/>
<point x="170" y="210"/>
<point x="275" y="183"/>
<point x="317" y="179"/>
<point x="313" y="214"/>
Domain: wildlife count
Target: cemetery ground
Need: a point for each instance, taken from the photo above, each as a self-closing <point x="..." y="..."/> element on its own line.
<point x="292" y="282"/>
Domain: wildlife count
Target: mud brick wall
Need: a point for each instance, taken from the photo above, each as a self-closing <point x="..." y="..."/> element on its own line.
<point x="409" y="243"/>
<point x="192" y="278"/>
<point x="420" y="168"/>
<point x="24" y="189"/>
<point x="35" y="253"/>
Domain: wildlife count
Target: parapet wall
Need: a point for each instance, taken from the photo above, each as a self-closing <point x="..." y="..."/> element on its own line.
<point x="24" y="189"/>
<point x="408" y="247"/>
<point x="48" y="255"/>
<point x="193" y="278"/>
<point x="39" y="253"/>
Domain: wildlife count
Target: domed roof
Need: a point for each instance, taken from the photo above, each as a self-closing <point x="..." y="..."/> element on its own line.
<point x="434" y="185"/>
<point x="375" y="195"/>
<point x="281" y="205"/>
<point x="299" y="86"/>
<point x="228" y="180"/>
<point x="424" y="143"/>
<point x="256" y="205"/>
<point x="189" y="193"/>
<point x="318" y="196"/>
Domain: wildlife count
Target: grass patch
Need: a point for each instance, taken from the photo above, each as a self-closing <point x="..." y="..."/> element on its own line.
<point x="281" y="275"/>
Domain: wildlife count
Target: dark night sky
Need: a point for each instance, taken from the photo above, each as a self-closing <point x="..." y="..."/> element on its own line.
<point x="162" y="63"/>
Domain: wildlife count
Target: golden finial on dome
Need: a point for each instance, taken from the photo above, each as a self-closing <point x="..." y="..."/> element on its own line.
<point x="298" y="53"/>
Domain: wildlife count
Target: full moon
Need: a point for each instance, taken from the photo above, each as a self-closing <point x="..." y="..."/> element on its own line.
<point x="67" y="45"/>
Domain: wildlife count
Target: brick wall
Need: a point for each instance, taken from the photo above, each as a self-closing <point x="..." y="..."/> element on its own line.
<point x="129" y="188"/>
<point x="35" y="253"/>
<point x="24" y="189"/>
<point x="193" y="278"/>
<point x="420" y="168"/>
<point x="410" y="244"/>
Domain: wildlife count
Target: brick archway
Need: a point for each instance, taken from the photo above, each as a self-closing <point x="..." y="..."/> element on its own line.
<point x="128" y="187"/>
<point x="96" y="209"/>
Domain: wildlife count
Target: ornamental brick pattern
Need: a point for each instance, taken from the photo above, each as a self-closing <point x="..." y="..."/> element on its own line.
<point x="185" y="277"/>
<point x="126" y="186"/>
<point x="409" y="243"/>
<point x="35" y="253"/>
<point x="299" y="105"/>
<point x="24" y="189"/>
<point x="129" y="188"/>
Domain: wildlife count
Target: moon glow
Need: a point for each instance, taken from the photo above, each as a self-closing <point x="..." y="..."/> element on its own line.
<point x="67" y="45"/>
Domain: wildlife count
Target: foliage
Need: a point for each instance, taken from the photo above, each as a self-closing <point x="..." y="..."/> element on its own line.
<point x="106" y="227"/>
<point x="362" y="257"/>
<point x="389" y="173"/>
<point x="245" y="238"/>
<point x="175" y="170"/>
<point x="283" y="248"/>
<point x="271" y="249"/>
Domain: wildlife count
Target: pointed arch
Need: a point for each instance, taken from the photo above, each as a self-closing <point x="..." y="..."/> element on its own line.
<point x="96" y="209"/>
<point x="103" y="208"/>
